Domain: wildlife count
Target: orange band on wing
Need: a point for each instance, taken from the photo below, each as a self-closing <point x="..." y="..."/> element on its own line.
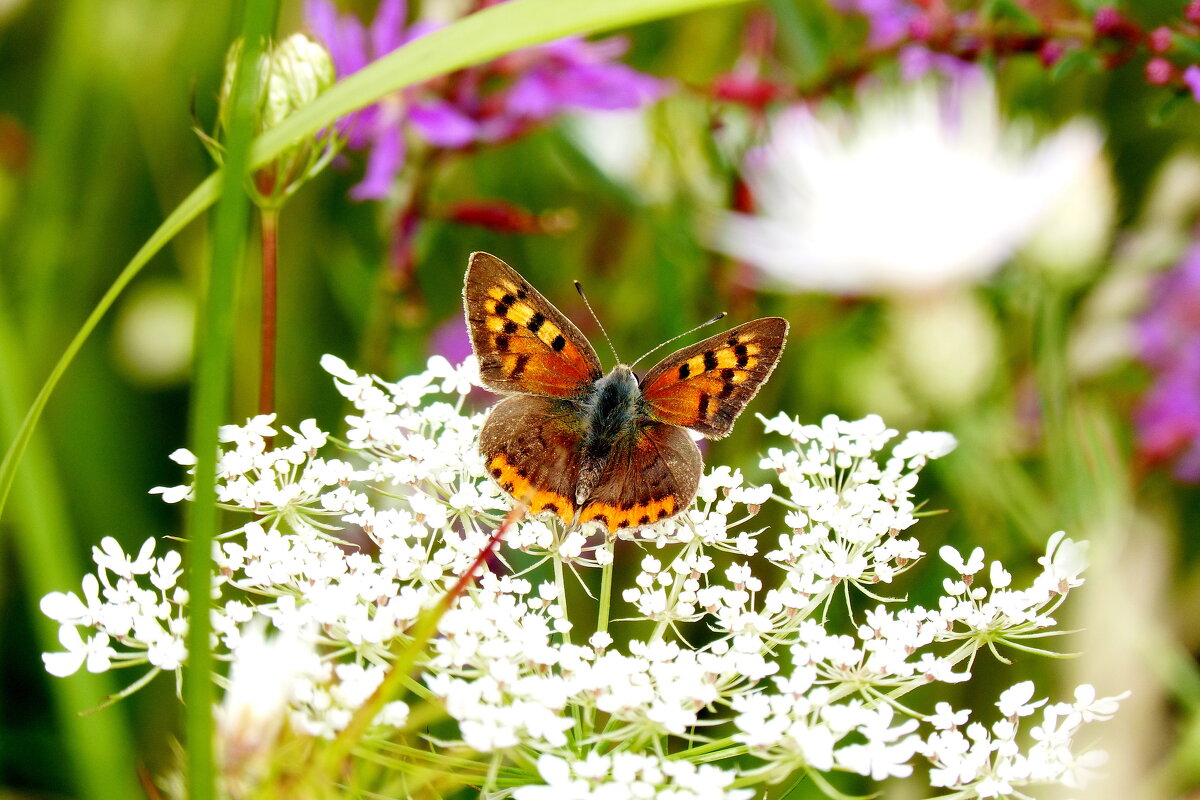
<point x="616" y="517"/>
<point x="513" y="481"/>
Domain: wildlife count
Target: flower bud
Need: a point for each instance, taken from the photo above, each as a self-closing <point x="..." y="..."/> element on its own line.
<point x="289" y="76"/>
<point x="1076" y="233"/>
<point x="300" y="69"/>
<point x="1159" y="39"/>
<point x="1191" y="12"/>
<point x="1159" y="71"/>
<point x="946" y="346"/>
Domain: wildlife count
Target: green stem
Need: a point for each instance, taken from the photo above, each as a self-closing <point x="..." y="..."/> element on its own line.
<point x="606" y="581"/>
<point x="214" y="341"/>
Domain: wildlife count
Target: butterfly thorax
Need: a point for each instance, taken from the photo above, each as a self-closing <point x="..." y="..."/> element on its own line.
<point x="610" y="410"/>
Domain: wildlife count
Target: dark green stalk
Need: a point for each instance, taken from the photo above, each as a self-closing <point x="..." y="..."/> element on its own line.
<point x="214" y="344"/>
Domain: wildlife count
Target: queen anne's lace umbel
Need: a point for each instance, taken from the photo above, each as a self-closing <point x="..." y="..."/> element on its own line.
<point x="721" y="653"/>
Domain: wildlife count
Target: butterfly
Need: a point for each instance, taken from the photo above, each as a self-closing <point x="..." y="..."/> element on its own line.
<point x="594" y="447"/>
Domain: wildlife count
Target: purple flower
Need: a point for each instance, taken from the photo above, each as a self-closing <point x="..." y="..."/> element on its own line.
<point x="1168" y="417"/>
<point x="489" y="103"/>
<point x="1191" y="78"/>
<point x="889" y="20"/>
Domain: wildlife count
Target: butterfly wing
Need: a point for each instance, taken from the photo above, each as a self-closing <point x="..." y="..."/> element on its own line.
<point x="530" y="445"/>
<point x="704" y="387"/>
<point x="651" y="475"/>
<point x="524" y="344"/>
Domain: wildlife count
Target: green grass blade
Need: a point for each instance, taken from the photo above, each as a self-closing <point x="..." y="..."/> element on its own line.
<point x="195" y="203"/>
<point x="99" y="754"/>
<point x="214" y="357"/>
<point x="480" y="37"/>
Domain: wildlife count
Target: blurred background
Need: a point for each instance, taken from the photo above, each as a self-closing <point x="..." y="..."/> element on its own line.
<point x="978" y="217"/>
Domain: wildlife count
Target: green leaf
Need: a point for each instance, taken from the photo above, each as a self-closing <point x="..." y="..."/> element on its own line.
<point x="1072" y="61"/>
<point x="1162" y="113"/>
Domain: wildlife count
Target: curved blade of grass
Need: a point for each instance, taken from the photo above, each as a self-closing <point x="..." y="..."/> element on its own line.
<point x="472" y="40"/>
<point x="98" y="752"/>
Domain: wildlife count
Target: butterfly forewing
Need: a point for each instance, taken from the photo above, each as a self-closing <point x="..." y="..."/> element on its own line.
<point x="705" y="386"/>
<point x="651" y="475"/>
<point x="524" y="344"/>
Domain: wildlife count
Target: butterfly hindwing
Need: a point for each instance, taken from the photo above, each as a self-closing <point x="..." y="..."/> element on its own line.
<point x="530" y="445"/>
<point x="524" y="344"/>
<point x="651" y="475"/>
<point x="705" y="386"/>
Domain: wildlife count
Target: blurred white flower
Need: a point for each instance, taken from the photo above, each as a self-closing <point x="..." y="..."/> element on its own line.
<point x="945" y="346"/>
<point x="258" y="699"/>
<point x="918" y="189"/>
<point x="1075" y="234"/>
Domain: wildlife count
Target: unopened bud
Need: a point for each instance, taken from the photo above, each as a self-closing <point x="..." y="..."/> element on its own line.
<point x="289" y="76"/>
<point x="1159" y="72"/>
<point x="1159" y="39"/>
<point x="1051" y="52"/>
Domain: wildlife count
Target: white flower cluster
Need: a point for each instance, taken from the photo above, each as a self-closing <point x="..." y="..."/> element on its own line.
<point x="716" y="649"/>
<point x="625" y="775"/>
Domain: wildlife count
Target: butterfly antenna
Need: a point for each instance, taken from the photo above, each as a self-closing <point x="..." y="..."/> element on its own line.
<point x="579" y="288"/>
<point x="720" y="316"/>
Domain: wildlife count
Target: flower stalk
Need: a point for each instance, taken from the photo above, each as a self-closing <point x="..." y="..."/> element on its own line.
<point x="269" y="228"/>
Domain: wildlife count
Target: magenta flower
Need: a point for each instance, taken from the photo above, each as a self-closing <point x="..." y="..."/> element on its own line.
<point x="489" y="103"/>
<point x="1191" y="79"/>
<point x="1168" y="418"/>
<point x="888" y="19"/>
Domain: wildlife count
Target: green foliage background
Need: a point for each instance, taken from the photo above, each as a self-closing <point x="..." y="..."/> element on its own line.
<point x="96" y="149"/>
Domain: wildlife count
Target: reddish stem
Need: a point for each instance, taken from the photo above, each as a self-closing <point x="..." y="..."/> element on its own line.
<point x="510" y="519"/>
<point x="270" y="246"/>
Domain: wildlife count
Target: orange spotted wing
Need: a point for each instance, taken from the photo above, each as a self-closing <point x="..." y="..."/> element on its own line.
<point x="524" y="344"/>
<point x="649" y="477"/>
<point x="705" y="386"/>
<point x="542" y="446"/>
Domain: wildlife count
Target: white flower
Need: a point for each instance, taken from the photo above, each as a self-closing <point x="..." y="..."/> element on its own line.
<point x="1014" y="701"/>
<point x="341" y="557"/>
<point x="257" y="699"/>
<point x="110" y="556"/>
<point x="952" y="557"/>
<point x="95" y="651"/>
<point x="918" y="188"/>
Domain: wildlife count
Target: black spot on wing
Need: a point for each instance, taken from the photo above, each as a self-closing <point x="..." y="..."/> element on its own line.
<point x="510" y="327"/>
<point x="559" y="343"/>
<point x="519" y="367"/>
<point x="684" y="371"/>
<point x="710" y="360"/>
